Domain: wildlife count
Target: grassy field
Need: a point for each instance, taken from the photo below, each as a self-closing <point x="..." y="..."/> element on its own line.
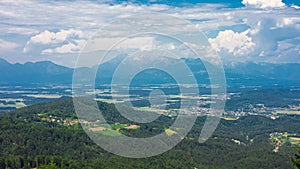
<point x="291" y="112"/>
<point x="132" y="127"/>
<point x="149" y="109"/>
<point x="118" y="126"/>
<point x="295" y="140"/>
<point x="95" y="129"/>
<point x="230" y="118"/>
<point x="170" y="132"/>
<point x="112" y="129"/>
<point x="110" y="132"/>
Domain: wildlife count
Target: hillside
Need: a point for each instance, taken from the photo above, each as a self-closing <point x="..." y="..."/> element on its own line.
<point x="49" y="133"/>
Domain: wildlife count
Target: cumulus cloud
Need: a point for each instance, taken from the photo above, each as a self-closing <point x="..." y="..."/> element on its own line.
<point x="268" y="29"/>
<point x="238" y="44"/>
<point x="64" y="41"/>
<point x="264" y="3"/>
<point x="66" y="48"/>
<point x="47" y="37"/>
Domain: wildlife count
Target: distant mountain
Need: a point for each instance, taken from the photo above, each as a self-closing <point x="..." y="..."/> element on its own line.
<point x="271" y="71"/>
<point x="241" y="74"/>
<point x="264" y="74"/>
<point x="255" y="74"/>
<point x="44" y="72"/>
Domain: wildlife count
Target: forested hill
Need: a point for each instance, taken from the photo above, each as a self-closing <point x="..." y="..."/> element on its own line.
<point x="48" y="135"/>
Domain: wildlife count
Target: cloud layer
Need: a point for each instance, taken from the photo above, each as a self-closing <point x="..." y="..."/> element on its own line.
<point x="262" y="30"/>
<point x="7" y="46"/>
<point x="264" y="3"/>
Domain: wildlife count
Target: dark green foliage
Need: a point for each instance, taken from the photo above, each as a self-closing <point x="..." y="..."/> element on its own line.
<point x="49" y="166"/>
<point x="296" y="159"/>
<point x="28" y="142"/>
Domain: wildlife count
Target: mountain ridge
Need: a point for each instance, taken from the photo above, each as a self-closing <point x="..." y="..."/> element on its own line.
<point x="247" y="74"/>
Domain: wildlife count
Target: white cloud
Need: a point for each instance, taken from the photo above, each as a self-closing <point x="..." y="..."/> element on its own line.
<point x="142" y="43"/>
<point x="287" y="21"/>
<point x="295" y="6"/>
<point x="21" y="31"/>
<point x="264" y="3"/>
<point x="119" y="43"/>
<point x="267" y="28"/>
<point x="6" y="45"/>
<point x="73" y="38"/>
<point x="238" y="44"/>
<point x="50" y="32"/>
<point x="47" y="37"/>
<point x="66" y="48"/>
<point x="287" y="50"/>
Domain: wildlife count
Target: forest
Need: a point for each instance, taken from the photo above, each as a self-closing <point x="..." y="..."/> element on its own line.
<point x="30" y="140"/>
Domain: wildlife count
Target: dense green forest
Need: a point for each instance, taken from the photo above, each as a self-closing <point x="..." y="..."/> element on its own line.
<point x="296" y="159"/>
<point x="46" y="135"/>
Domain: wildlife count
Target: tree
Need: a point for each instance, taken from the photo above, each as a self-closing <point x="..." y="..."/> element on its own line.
<point x="296" y="159"/>
<point x="49" y="166"/>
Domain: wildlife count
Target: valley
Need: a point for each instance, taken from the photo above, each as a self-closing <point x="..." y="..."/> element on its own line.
<point x="260" y="123"/>
<point x="49" y="132"/>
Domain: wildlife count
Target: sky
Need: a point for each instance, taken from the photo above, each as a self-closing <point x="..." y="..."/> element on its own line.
<point x="238" y="30"/>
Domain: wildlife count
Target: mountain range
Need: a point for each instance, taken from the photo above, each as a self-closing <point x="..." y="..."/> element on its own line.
<point x="241" y="74"/>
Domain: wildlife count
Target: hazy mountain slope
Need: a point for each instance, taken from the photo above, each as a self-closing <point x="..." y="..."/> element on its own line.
<point x="241" y="74"/>
<point x="34" y="73"/>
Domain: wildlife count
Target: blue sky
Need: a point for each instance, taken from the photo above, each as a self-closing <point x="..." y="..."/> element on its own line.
<point x="229" y="3"/>
<point x="239" y="30"/>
